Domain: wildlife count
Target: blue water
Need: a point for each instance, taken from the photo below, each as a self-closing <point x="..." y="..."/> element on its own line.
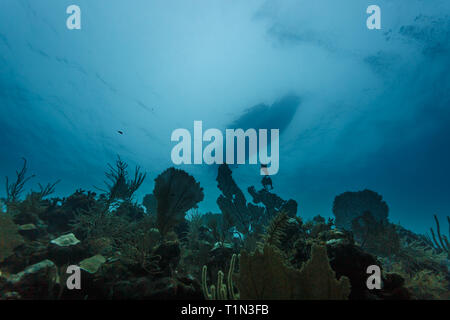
<point x="373" y="111"/>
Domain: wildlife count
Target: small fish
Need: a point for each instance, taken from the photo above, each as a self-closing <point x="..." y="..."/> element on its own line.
<point x="120" y="132"/>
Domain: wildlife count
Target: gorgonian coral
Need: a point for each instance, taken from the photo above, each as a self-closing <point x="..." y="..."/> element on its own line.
<point x="120" y="186"/>
<point x="176" y="192"/>
<point x="264" y="275"/>
<point x="442" y="245"/>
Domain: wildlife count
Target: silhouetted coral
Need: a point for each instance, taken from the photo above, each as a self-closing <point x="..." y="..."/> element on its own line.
<point x="233" y="204"/>
<point x="351" y="205"/>
<point x="273" y="203"/>
<point x="119" y="185"/>
<point x="14" y="189"/>
<point x="442" y="245"/>
<point x="176" y="193"/>
<point x="150" y="203"/>
<point x="162" y="252"/>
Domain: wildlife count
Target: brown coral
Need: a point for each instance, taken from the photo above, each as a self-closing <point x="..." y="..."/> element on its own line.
<point x="9" y="236"/>
<point x="265" y="275"/>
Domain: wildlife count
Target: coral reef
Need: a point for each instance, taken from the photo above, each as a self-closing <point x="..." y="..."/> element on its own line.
<point x="166" y="248"/>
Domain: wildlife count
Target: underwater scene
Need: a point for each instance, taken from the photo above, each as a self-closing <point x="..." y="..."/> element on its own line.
<point x="224" y="150"/>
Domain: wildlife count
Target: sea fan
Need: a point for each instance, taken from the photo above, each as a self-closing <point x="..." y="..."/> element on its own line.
<point x="176" y="192"/>
<point x="265" y="275"/>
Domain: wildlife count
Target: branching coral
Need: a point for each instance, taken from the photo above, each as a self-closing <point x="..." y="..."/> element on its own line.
<point x="48" y="189"/>
<point x="176" y="192"/>
<point x="27" y="211"/>
<point x="232" y="201"/>
<point x="34" y="205"/>
<point x="138" y="246"/>
<point x="93" y="223"/>
<point x="249" y="218"/>
<point x="221" y="291"/>
<point x="442" y="245"/>
<point x="15" y="189"/>
<point x="283" y="259"/>
<point x="272" y="203"/>
<point x="119" y="185"/>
